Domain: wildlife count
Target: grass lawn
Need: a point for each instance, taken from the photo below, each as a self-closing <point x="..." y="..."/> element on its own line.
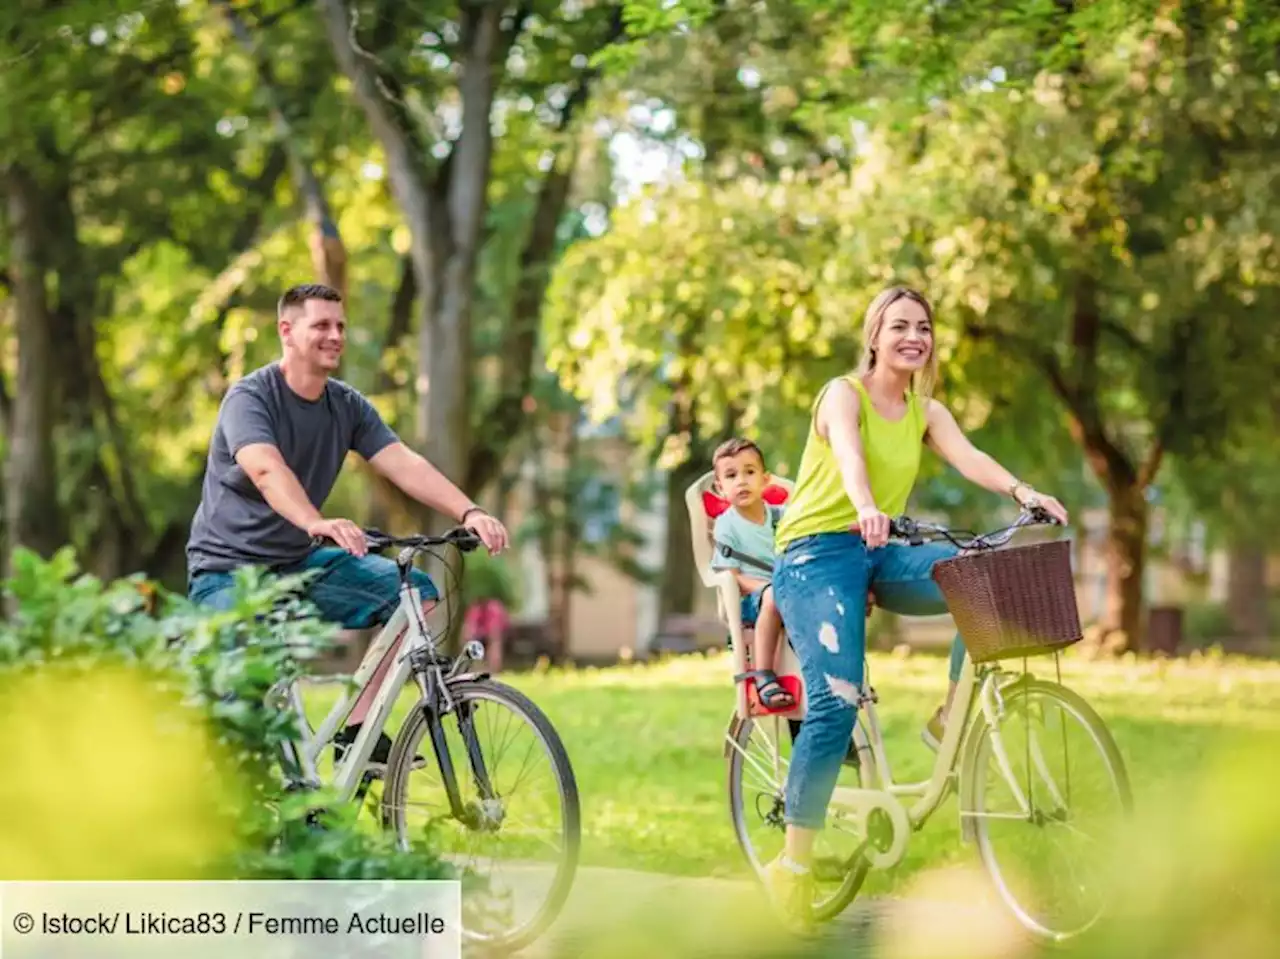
<point x="646" y="742"/>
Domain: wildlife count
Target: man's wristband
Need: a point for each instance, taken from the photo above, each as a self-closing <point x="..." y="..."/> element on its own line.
<point x="468" y="511"/>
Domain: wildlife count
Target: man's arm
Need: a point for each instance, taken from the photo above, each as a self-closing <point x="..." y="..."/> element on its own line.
<point x="417" y="478"/>
<point x="252" y="442"/>
<point x="420" y="480"/>
<point x="277" y="483"/>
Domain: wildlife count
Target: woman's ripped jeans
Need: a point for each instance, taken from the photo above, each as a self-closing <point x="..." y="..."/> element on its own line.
<point x="820" y="584"/>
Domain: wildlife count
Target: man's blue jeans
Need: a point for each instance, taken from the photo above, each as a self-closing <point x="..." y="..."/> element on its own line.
<point x="357" y="592"/>
<point x="820" y="585"/>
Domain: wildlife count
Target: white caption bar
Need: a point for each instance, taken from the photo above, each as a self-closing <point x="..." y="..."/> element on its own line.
<point x="244" y="920"/>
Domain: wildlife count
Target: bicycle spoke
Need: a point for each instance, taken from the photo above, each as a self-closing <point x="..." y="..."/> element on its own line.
<point x="1049" y="870"/>
<point x="496" y="837"/>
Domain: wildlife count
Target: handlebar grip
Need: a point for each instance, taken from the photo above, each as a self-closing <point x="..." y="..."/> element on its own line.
<point x="465" y="539"/>
<point x="1041" y="515"/>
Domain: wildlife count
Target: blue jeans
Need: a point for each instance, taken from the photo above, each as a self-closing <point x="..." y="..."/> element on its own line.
<point x="357" y="592"/>
<point x="820" y="585"/>
<point x="750" y="608"/>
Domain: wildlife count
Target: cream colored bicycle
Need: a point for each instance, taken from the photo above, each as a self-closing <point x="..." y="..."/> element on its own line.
<point x="1027" y="757"/>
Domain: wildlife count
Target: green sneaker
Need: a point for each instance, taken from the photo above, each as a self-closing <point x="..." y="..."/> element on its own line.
<point x="791" y="893"/>
<point x="934" y="730"/>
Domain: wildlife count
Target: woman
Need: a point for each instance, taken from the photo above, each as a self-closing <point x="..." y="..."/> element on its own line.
<point x="860" y="462"/>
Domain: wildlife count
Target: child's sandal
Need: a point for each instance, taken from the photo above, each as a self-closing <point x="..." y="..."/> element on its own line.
<point x="767" y="679"/>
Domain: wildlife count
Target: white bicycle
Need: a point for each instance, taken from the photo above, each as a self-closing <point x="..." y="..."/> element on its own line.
<point x="468" y="808"/>
<point x="1035" y="767"/>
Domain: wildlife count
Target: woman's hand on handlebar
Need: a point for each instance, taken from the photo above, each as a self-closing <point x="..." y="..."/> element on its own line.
<point x="1047" y="503"/>
<point x="874" y="527"/>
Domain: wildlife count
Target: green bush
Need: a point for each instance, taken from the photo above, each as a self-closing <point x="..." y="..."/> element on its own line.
<point x="488" y="578"/>
<point x="1205" y="623"/>
<point x="166" y="701"/>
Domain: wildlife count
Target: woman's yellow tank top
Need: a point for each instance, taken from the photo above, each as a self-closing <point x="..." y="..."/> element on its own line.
<point x="892" y="452"/>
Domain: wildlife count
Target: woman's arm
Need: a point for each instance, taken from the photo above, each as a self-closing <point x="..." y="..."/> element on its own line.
<point x="838" y="425"/>
<point x="945" y="438"/>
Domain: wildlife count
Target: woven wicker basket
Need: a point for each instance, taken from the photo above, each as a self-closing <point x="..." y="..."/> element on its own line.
<point x="1015" y="602"/>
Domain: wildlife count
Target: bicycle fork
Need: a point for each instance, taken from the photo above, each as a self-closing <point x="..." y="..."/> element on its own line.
<point x="436" y="704"/>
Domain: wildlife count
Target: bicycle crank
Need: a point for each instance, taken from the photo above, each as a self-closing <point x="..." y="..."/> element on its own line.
<point x="885" y="822"/>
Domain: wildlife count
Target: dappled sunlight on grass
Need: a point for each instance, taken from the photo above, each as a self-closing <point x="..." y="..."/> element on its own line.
<point x="646" y="741"/>
<point x="1197" y="869"/>
<point x="1196" y="875"/>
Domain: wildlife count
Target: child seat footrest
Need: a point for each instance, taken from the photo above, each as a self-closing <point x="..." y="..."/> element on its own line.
<point x="755" y="678"/>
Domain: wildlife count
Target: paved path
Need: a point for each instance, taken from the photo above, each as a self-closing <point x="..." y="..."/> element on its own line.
<point x="620" y="914"/>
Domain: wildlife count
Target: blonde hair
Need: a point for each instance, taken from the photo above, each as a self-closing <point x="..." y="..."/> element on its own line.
<point x="922" y="384"/>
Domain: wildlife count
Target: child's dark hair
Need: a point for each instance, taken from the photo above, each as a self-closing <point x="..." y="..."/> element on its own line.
<point x="732" y="448"/>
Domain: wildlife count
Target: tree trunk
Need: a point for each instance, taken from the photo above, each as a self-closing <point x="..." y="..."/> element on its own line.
<point x="1126" y="562"/>
<point x="444" y="221"/>
<point x="33" y="515"/>
<point x="1247" y="592"/>
<point x="444" y="412"/>
<point x="504" y="421"/>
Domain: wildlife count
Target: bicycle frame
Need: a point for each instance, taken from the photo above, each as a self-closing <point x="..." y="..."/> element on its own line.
<point x="417" y="643"/>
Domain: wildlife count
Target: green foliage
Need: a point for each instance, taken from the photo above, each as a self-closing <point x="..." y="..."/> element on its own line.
<point x="583" y="487"/>
<point x="488" y="578"/>
<point x="724" y="286"/>
<point x="1237" y="490"/>
<point x="1086" y="196"/>
<point x="223" y="664"/>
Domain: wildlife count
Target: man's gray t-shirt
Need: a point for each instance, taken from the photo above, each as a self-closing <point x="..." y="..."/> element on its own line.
<point x="234" y="526"/>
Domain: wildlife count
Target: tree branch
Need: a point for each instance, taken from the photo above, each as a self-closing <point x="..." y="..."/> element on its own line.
<point x="400" y="320"/>
<point x="505" y="418"/>
<point x="271" y="19"/>
<point x="1127" y="337"/>
<point x="1177" y="361"/>
<point x="328" y="254"/>
<point x="1109" y="462"/>
<point x="403" y="168"/>
<point x="119" y="93"/>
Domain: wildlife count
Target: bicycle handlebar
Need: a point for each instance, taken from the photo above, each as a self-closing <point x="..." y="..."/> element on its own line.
<point x="462" y="537"/>
<point x="914" y="531"/>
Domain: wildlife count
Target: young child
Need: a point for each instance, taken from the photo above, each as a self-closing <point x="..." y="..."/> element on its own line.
<point x="746" y="527"/>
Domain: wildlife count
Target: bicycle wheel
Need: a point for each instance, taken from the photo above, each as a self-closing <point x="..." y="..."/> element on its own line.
<point x="1030" y="784"/>
<point x="528" y="886"/>
<point x="758" y="751"/>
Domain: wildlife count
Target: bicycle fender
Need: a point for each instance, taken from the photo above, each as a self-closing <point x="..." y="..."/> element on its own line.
<point x="467" y="678"/>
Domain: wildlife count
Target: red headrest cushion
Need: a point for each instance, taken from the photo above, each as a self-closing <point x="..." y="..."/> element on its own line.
<point x="773" y="494"/>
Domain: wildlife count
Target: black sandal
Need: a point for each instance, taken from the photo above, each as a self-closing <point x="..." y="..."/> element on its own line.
<point x="767" y="679"/>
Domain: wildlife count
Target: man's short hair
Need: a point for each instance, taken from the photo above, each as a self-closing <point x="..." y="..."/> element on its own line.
<point x="298" y="295"/>
<point x="732" y="448"/>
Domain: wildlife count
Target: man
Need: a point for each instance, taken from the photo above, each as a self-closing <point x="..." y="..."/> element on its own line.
<point x="278" y="445"/>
